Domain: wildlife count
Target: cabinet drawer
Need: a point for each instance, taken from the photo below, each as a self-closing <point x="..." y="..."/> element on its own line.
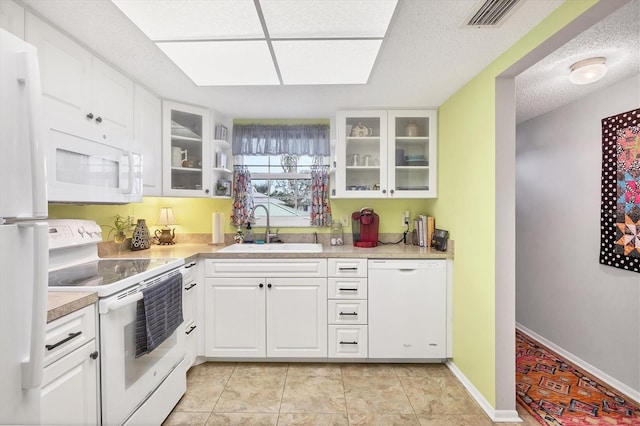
<point x="347" y="311"/>
<point x="347" y="267"/>
<point x="262" y="268"/>
<point x="68" y="333"/>
<point x="189" y="272"/>
<point x="347" y="288"/>
<point x="347" y="341"/>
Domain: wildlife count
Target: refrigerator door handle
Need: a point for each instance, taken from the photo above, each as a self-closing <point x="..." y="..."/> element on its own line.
<point x="32" y="368"/>
<point x="28" y="76"/>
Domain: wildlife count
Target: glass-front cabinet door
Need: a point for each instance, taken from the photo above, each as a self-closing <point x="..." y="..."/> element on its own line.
<point x="186" y="137"/>
<point x="361" y="154"/>
<point x="412" y="153"/>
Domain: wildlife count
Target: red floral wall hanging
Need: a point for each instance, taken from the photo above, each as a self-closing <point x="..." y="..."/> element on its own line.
<point x="620" y="202"/>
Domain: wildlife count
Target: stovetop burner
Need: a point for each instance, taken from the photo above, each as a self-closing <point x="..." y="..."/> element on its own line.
<point x="104" y="272"/>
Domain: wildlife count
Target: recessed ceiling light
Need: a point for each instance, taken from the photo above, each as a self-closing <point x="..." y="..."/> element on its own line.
<point x="588" y="70"/>
<point x="266" y="42"/>
<point x="223" y="63"/>
<point x="327" y="18"/>
<point x="326" y="61"/>
<point x="193" y="20"/>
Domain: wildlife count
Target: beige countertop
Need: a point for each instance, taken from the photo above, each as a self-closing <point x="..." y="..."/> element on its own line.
<point x="193" y="251"/>
<point x="61" y="303"/>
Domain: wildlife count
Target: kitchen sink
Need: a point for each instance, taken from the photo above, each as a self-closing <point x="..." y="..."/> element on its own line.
<point x="273" y="248"/>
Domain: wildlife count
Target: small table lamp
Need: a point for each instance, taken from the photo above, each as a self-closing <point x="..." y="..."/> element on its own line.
<point x="166" y="218"/>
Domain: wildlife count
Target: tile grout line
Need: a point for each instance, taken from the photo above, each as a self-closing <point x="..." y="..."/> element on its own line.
<point x="221" y="392"/>
<point x="415" y="415"/>
<point x="344" y="393"/>
<point x="284" y="386"/>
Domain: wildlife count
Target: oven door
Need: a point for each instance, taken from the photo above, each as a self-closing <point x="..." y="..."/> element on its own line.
<point x="126" y="382"/>
<point x="84" y="171"/>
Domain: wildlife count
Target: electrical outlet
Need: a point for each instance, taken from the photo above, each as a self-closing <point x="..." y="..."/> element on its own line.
<point x="405" y="218"/>
<point x="132" y="220"/>
<point x="345" y="220"/>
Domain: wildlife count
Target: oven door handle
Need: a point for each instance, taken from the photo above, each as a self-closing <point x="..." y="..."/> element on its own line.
<point x="117" y="304"/>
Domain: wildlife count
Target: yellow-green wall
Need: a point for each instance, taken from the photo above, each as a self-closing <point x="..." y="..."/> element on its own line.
<point x="466" y="202"/>
<point x="194" y="214"/>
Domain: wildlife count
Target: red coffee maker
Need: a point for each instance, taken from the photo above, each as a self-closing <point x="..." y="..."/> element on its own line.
<point x="365" y="228"/>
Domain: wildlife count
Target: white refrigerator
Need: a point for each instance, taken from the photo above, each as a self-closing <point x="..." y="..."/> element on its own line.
<point x="23" y="233"/>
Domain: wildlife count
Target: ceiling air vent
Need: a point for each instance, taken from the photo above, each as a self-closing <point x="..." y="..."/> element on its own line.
<point x="491" y="13"/>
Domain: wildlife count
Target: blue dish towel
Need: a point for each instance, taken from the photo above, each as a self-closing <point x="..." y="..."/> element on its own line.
<point x="158" y="314"/>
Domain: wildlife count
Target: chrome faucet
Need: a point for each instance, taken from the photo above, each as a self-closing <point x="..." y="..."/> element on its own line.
<point x="267" y="232"/>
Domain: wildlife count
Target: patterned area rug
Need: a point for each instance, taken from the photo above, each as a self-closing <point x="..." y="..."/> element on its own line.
<point x="558" y="393"/>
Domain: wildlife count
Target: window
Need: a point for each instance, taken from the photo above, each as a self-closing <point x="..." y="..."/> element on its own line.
<point x="282" y="183"/>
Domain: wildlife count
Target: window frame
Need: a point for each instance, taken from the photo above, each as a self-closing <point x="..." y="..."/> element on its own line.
<point x="279" y="221"/>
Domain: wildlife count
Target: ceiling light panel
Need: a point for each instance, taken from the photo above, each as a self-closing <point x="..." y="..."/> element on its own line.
<point x="193" y="19"/>
<point x="327" y="18"/>
<point x="224" y="63"/>
<point x="326" y="61"/>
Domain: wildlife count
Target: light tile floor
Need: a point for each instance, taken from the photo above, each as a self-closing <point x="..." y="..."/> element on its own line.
<point x="327" y="394"/>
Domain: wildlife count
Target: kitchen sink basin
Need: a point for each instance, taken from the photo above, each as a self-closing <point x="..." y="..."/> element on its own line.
<point x="273" y="248"/>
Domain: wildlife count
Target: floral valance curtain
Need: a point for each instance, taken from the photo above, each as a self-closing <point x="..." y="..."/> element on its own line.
<point x="242" y="196"/>
<point x="261" y="139"/>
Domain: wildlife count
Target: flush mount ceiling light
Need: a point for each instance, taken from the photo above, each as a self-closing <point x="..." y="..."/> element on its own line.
<point x="588" y="70"/>
<point x="266" y="42"/>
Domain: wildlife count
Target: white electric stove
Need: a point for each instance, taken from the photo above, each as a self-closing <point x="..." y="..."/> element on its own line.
<point x="133" y="390"/>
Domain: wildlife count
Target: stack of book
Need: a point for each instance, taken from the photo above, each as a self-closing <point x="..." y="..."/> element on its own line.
<point x="424" y="226"/>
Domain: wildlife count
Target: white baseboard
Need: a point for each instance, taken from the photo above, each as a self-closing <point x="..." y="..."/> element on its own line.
<point x="614" y="383"/>
<point x="497" y="416"/>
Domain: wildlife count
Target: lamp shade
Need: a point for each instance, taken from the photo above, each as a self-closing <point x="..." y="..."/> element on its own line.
<point x="588" y="71"/>
<point x="166" y="217"/>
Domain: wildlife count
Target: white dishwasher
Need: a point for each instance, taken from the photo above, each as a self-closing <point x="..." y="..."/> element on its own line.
<point x="407" y="309"/>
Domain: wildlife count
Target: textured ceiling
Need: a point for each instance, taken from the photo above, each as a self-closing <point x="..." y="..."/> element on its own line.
<point x="428" y="56"/>
<point x="545" y="86"/>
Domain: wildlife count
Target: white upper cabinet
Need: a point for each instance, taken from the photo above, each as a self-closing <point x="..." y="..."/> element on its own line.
<point x="361" y="154"/>
<point x="147" y="129"/>
<point x="412" y="153"/>
<point x="186" y="137"/>
<point x="83" y="96"/>
<point x="386" y="154"/>
<point x="12" y="17"/>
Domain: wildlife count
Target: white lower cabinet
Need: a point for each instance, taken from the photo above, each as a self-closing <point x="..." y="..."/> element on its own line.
<point x="190" y="311"/>
<point x="268" y="312"/>
<point x="70" y="377"/>
<point x="348" y="341"/>
<point x="235" y="317"/>
<point x="348" y="308"/>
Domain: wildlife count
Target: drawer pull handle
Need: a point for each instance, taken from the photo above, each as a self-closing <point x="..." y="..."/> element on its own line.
<point x="354" y="268"/>
<point x="190" y="287"/>
<point x="348" y="289"/>
<point x="94" y="355"/>
<point x="348" y="343"/>
<point x="190" y="265"/>
<point x="349" y="313"/>
<point x="65" y="340"/>
<point x="193" y="327"/>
